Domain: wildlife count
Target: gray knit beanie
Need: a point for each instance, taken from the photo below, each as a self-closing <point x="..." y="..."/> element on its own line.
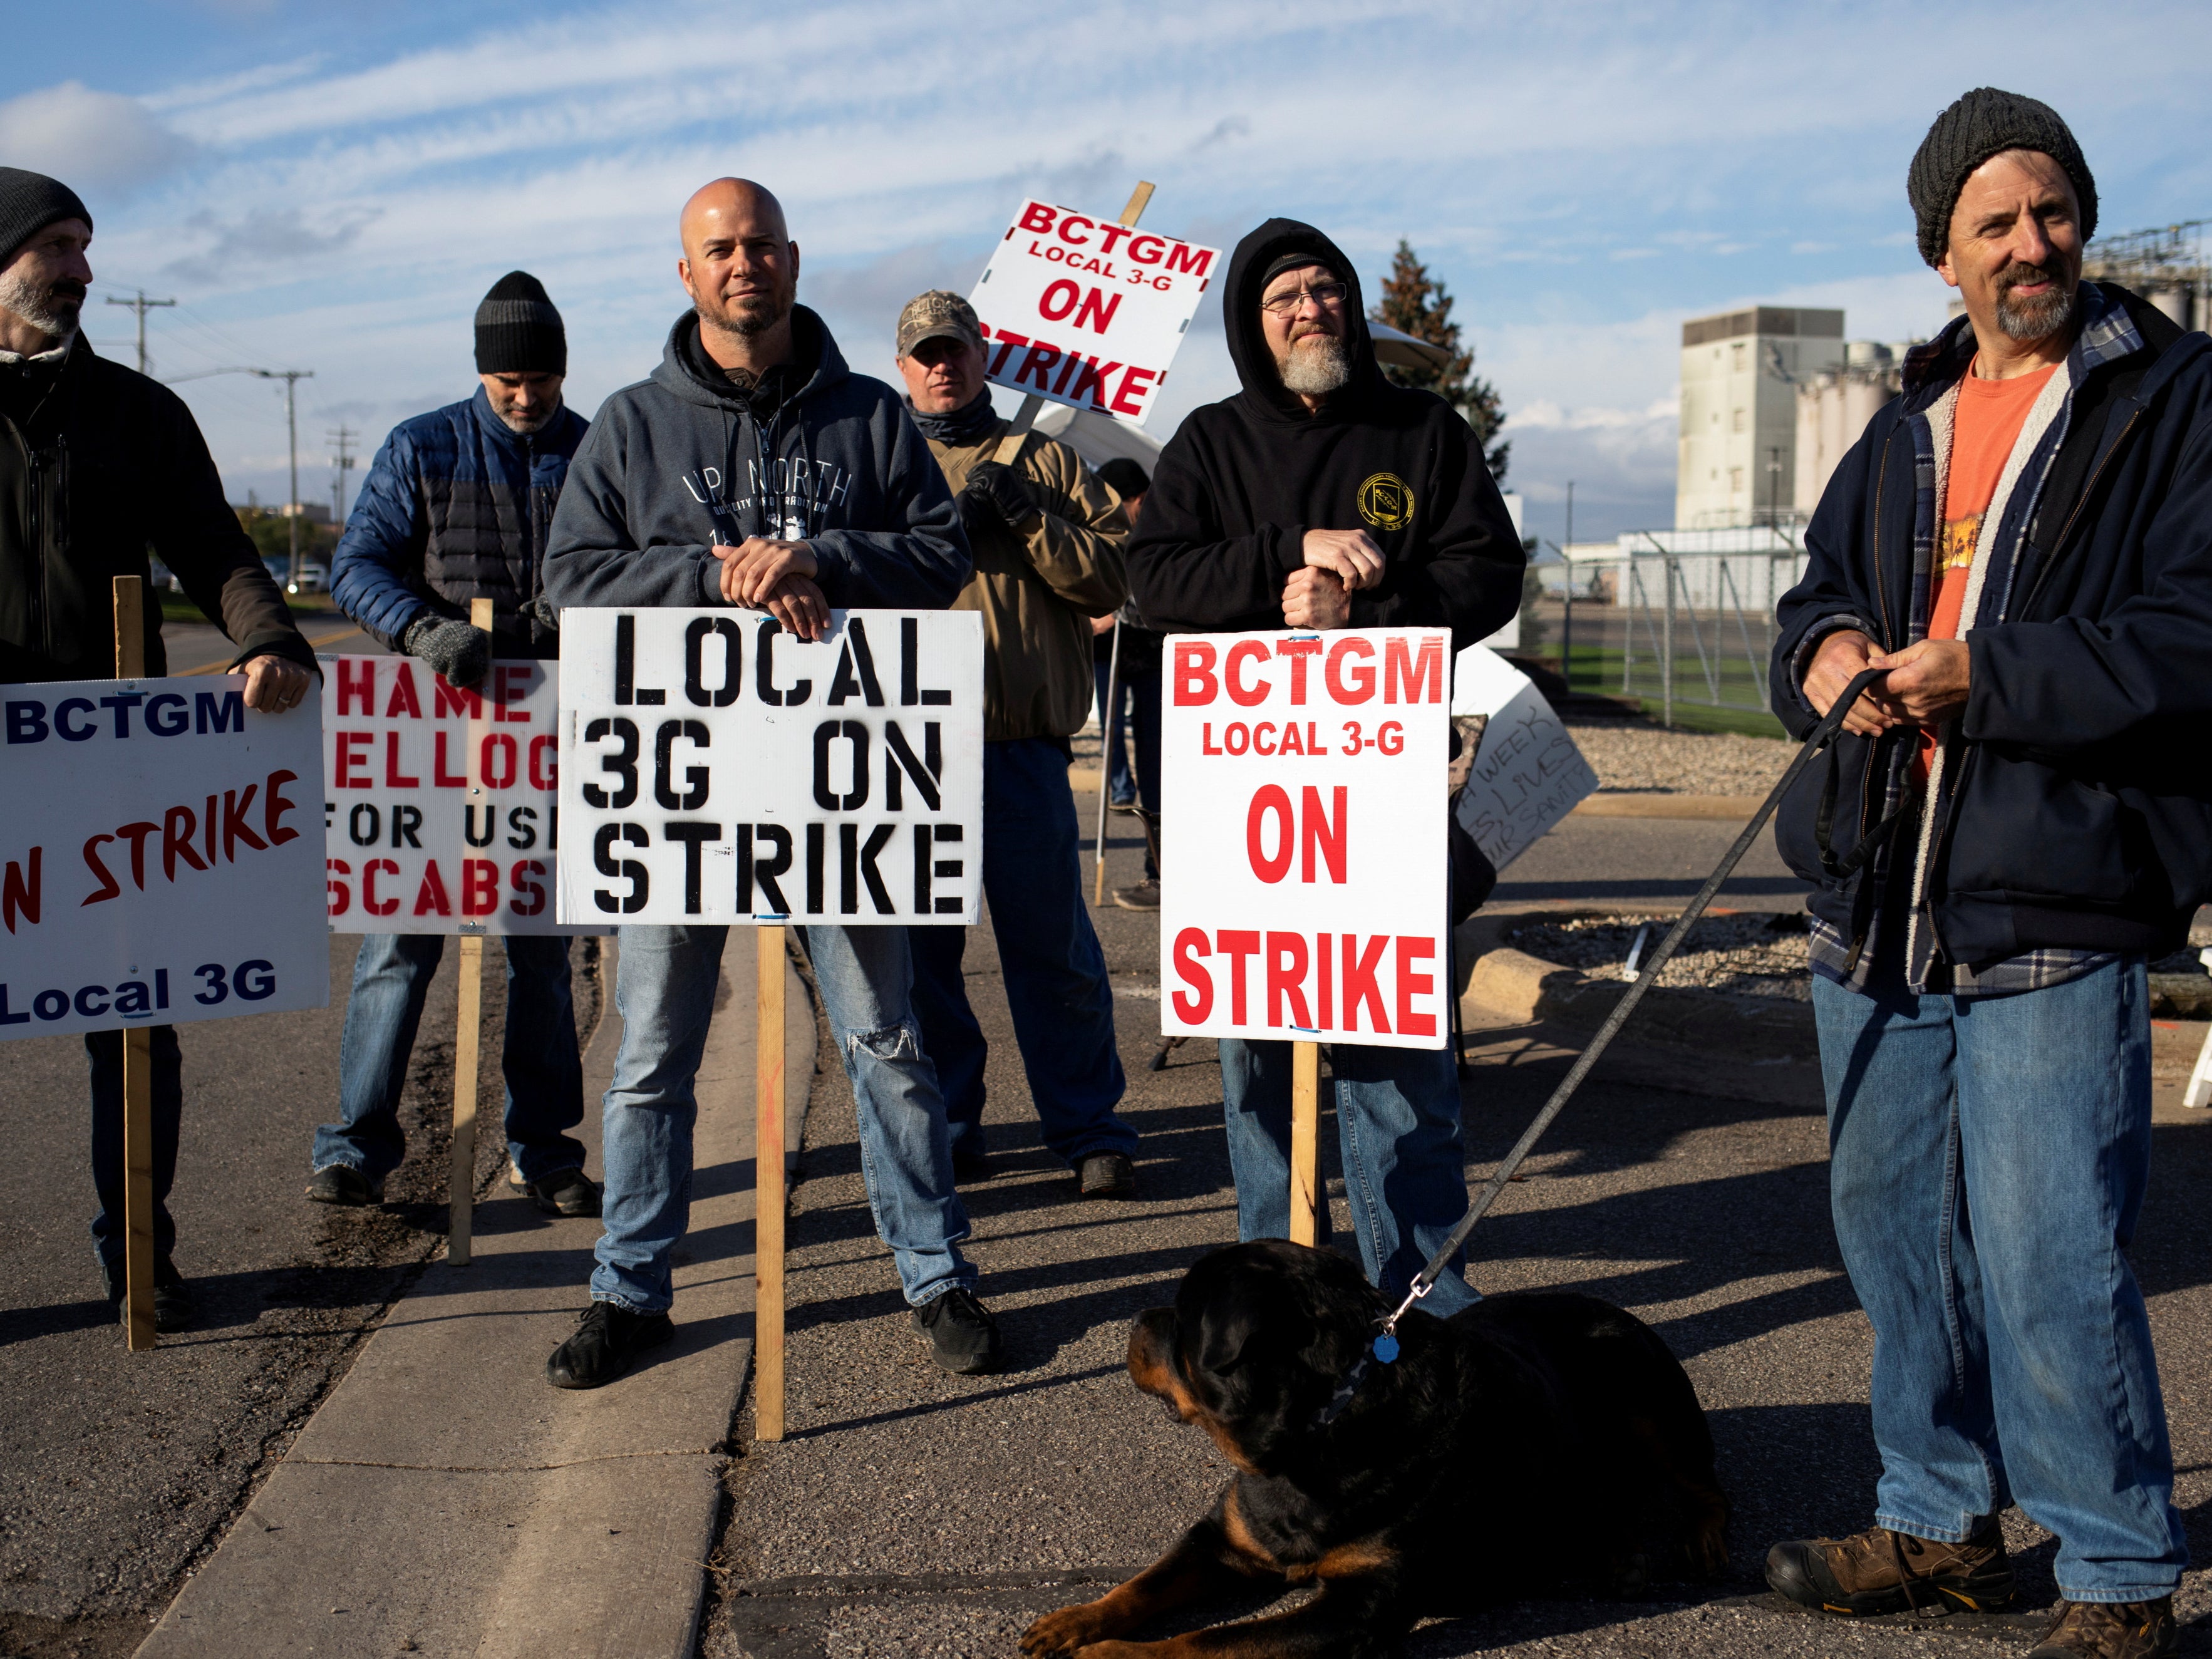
<point x="518" y="330"/>
<point x="1979" y="126"/>
<point x="29" y="202"/>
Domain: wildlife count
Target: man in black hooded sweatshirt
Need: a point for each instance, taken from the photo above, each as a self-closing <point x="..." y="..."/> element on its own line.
<point x="1322" y="496"/>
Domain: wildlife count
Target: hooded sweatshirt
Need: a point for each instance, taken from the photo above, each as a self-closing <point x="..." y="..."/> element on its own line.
<point x="1239" y="485"/>
<point x="686" y="458"/>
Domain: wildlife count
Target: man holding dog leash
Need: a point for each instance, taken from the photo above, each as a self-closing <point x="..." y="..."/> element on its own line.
<point x="1240" y="530"/>
<point x="2016" y="819"/>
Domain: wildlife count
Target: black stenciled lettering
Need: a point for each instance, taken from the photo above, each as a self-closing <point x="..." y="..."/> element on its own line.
<point x="695" y="636"/>
<point x="695" y="833"/>
<point x="695" y="777"/>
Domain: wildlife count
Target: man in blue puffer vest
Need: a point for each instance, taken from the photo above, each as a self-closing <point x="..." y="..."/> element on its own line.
<point x="456" y="508"/>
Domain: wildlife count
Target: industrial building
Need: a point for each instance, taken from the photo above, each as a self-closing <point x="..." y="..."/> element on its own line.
<point x="1740" y="371"/>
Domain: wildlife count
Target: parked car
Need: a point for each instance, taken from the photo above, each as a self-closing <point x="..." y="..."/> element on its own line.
<point x="313" y="578"/>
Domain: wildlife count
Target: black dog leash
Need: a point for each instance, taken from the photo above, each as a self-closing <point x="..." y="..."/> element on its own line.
<point x="1385" y="1345"/>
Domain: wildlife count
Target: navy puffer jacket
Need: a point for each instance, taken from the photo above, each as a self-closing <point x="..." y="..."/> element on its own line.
<point x="456" y="508"/>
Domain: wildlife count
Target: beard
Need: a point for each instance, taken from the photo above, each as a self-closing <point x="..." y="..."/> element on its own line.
<point x="1315" y="366"/>
<point x="50" y="308"/>
<point x="752" y="314"/>
<point x="2037" y="318"/>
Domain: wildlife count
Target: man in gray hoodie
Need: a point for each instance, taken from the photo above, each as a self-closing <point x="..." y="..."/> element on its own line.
<point x="754" y="468"/>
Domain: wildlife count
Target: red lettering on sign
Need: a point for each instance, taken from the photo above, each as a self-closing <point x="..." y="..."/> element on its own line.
<point x="1191" y="1007"/>
<point x="369" y="901"/>
<point x="342" y="774"/>
<point x="1265" y="730"/>
<point x="1041" y="358"/>
<point x="338" y="894"/>
<point x="1300" y="651"/>
<point x="1291" y="744"/>
<point x="1061" y="294"/>
<point x="431" y="895"/>
<point x="356" y="681"/>
<point x="136" y="834"/>
<point x="18" y="896"/>
<point x="1327" y="964"/>
<point x="496" y="760"/>
<point x="1243" y="696"/>
<point x="1270" y="799"/>
<point x="107" y="887"/>
<point x="393" y="777"/>
<point x="519" y="878"/>
<point x="1205" y="743"/>
<point x="1093" y="315"/>
<point x="177" y="841"/>
<point x="1069" y="224"/>
<point x="404" y="700"/>
<point x="1007" y="341"/>
<point x="479" y="887"/>
<point x="544" y="747"/>
<point x="1236" y="945"/>
<point x="510" y="693"/>
<point x="1319" y="832"/>
<point x="1361" y="685"/>
<point x="1286" y="978"/>
<point x="1036" y="216"/>
<point x="1140" y="245"/>
<point x="1134" y="383"/>
<point x="1113" y="233"/>
<point x="1411" y="985"/>
<point x="274" y="806"/>
<point x="1183" y="256"/>
<point x="1194" y="684"/>
<point x="235" y="829"/>
<point x="1360" y="985"/>
<point x="452" y="700"/>
<point x="438" y="773"/>
<point x="1401" y="667"/>
<point x="1091" y="381"/>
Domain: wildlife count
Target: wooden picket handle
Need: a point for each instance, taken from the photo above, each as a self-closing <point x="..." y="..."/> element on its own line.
<point x="767" y="1185"/>
<point x="137" y="1054"/>
<point x="1305" y="1143"/>
<point x="1109" y="741"/>
<point x="461" y="1186"/>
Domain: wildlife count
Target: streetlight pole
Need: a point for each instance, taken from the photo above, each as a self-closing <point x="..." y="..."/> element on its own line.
<point x="142" y="304"/>
<point x="1567" y="626"/>
<point x="291" y="377"/>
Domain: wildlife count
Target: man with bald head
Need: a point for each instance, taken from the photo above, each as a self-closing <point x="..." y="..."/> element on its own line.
<point x="753" y="469"/>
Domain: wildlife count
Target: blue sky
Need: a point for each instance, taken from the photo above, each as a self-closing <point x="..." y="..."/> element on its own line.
<point x="333" y="186"/>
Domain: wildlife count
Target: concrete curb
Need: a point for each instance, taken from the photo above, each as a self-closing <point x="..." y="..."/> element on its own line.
<point x="1733" y="809"/>
<point x="445" y="1501"/>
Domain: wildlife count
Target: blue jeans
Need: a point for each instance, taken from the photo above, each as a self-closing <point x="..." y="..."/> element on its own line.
<point x="1145" y="733"/>
<point x="665" y="990"/>
<point x="1987" y="1164"/>
<point x="104" y="1052"/>
<point x="1121" y="783"/>
<point x="1056" y="974"/>
<point x="1397" y="1125"/>
<point x="544" y="1076"/>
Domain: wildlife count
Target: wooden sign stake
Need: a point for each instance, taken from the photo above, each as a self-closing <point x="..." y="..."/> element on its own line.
<point x="1110" y="740"/>
<point x="461" y="1196"/>
<point x="1032" y="405"/>
<point x="137" y="1054"/>
<point x="768" y="1187"/>
<point x="1305" y="1142"/>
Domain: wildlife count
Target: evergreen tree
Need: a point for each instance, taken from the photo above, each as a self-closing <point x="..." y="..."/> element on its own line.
<point x="1415" y="303"/>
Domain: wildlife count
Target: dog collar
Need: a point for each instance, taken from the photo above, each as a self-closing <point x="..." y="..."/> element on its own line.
<point x="1384" y="1349"/>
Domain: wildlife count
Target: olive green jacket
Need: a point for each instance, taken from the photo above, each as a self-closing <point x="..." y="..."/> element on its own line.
<point x="1039" y="587"/>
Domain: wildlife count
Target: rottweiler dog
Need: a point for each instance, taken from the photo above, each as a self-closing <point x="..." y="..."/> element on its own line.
<point x="1534" y="1441"/>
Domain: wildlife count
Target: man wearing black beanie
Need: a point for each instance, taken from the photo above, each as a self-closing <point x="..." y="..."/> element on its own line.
<point x="98" y="467"/>
<point x="2016" y="821"/>
<point x="456" y="508"/>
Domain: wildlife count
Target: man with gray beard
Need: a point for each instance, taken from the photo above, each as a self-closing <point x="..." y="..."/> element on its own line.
<point x="2017" y="819"/>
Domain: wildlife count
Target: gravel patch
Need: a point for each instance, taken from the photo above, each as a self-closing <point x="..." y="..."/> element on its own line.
<point x="1762" y="956"/>
<point x="1634" y="758"/>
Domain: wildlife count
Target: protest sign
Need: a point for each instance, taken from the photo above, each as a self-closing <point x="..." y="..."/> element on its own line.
<point x="158" y="859"/>
<point x="715" y="769"/>
<point x="1085" y="312"/>
<point x="1305" y="777"/>
<point x="1528" y="774"/>
<point x="441" y="806"/>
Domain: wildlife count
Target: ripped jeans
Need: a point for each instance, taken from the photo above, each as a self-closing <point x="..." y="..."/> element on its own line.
<point x="665" y="991"/>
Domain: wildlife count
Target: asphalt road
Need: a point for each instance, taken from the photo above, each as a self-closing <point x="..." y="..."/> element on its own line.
<point x="913" y="1514"/>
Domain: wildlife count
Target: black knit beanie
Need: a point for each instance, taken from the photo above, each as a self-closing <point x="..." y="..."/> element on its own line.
<point x="518" y="330"/>
<point x="29" y="202"/>
<point x="1979" y="126"/>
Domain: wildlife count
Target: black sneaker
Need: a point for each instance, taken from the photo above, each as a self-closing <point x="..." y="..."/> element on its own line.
<point x="565" y="1192"/>
<point x="1145" y="895"/>
<point x="964" y="1338"/>
<point x="172" y="1299"/>
<point x="341" y="1183"/>
<point x="608" y="1340"/>
<point x="970" y="1162"/>
<point x="1106" y="1174"/>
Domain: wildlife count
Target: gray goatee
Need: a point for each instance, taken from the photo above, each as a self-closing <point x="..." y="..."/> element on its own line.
<point x="1316" y="365"/>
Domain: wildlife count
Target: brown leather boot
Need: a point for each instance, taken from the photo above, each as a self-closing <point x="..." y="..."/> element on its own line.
<point x="2112" y="1630"/>
<point x="1879" y="1571"/>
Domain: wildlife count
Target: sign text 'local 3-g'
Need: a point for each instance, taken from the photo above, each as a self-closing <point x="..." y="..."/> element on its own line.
<point x="716" y="768"/>
<point x="1305" y="777"/>
<point x="1086" y="312"/>
<point x="158" y="859"/>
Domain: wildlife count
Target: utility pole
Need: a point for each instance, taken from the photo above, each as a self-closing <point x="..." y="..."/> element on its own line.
<point x="1774" y="486"/>
<point x="291" y="377"/>
<point x="344" y="462"/>
<point x="1567" y="626"/>
<point x="142" y="304"/>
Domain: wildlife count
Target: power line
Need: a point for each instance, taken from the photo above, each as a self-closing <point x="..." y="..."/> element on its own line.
<point x="344" y="461"/>
<point x="142" y="304"/>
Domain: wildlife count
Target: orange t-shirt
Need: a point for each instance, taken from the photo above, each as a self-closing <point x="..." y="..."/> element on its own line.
<point x="1990" y="414"/>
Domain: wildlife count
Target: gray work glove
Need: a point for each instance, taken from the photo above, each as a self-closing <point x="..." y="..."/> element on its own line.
<point x="995" y="495"/>
<point x="460" y="652"/>
<point x="542" y="612"/>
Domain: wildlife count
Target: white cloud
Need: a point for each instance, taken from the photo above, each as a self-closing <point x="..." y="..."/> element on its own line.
<point x="91" y="140"/>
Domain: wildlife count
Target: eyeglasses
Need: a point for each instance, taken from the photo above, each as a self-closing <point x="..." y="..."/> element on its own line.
<point x="1327" y="295"/>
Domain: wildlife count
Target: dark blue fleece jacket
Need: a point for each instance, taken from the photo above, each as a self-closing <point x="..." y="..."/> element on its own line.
<point x="2082" y="814"/>
<point x="679" y="460"/>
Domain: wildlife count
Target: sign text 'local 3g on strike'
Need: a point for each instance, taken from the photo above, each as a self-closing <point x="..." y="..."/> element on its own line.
<point x="1305" y="777"/>
<point x="715" y="769"/>
<point x="1085" y="312"/>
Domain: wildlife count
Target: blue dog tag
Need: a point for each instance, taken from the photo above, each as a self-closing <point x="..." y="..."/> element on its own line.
<point x="1386" y="1348"/>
